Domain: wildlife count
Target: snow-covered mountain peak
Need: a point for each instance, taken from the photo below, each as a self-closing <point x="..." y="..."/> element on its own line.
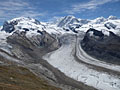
<point x="67" y="20"/>
<point x="24" y="19"/>
<point x="112" y="17"/>
<point x="98" y="33"/>
<point x="98" y="20"/>
<point x="67" y="24"/>
<point x="70" y="16"/>
<point x="29" y="25"/>
<point x="22" y="23"/>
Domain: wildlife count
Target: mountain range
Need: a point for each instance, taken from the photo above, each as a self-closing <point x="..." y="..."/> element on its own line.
<point x="67" y="53"/>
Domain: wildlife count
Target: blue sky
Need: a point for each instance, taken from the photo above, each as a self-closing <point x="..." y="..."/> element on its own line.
<point x="45" y="10"/>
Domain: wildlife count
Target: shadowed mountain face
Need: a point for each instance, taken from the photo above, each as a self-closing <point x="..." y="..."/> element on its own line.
<point x="102" y="46"/>
<point x="33" y="47"/>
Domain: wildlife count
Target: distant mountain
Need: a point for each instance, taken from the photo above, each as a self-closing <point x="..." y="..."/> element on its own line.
<point x="112" y="17"/>
<point x="71" y="23"/>
<point x="66" y="21"/>
<point x="67" y="24"/>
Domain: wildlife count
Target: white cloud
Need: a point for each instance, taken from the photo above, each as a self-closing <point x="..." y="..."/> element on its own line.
<point x="16" y="8"/>
<point x="91" y="5"/>
<point x="33" y="14"/>
<point x="13" y="5"/>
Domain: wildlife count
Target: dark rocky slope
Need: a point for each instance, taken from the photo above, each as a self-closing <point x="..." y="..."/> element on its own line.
<point x="35" y="47"/>
<point x="101" y="46"/>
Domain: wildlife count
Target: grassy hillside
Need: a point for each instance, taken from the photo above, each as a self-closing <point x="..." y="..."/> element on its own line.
<point x="19" y="78"/>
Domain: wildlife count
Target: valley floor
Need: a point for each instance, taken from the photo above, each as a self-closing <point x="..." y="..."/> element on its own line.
<point x="64" y="60"/>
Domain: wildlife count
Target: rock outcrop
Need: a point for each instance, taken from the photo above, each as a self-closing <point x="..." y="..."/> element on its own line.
<point x="33" y="47"/>
<point x="101" y="46"/>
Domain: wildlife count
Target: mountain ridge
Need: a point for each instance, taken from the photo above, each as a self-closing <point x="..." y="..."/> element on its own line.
<point x="47" y="49"/>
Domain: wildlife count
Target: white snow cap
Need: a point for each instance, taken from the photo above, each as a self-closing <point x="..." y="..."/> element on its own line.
<point x="112" y="17"/>
<point x="70" y="23"/>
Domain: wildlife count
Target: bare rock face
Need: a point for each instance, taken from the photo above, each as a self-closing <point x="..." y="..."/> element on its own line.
<point x="33" y="47"/>
<point x="9" y="27"/>
<point x="110" y="25"/>
<point x="103" y="47"/>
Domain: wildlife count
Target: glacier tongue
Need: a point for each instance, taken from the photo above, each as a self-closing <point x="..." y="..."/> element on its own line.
<point x="64" y="60"/>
